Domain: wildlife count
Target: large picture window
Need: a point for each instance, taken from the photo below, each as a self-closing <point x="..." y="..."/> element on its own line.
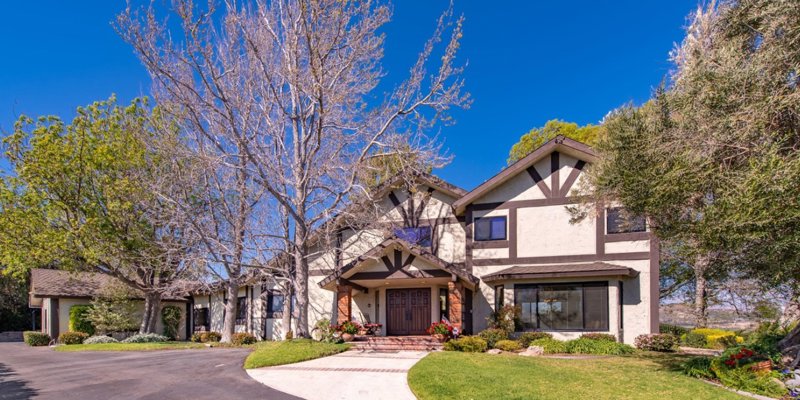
<point x="563" y="307"/>
<point x="618" y="221"/>
<point x="241" y="310"/>
<point x="274" y="304"/>
<point x="490" y="228"/>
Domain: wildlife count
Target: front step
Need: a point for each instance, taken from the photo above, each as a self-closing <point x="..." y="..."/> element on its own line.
<point x="396" y="343"/>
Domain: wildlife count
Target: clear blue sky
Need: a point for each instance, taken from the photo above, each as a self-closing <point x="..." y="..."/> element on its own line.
<point x="528" y="63"/>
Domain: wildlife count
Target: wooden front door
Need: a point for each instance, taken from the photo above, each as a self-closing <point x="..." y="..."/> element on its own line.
<point x="408" y="311"/>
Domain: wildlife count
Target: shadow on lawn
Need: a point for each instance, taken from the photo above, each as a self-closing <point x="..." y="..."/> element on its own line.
<point x="667" y="361"/>
<point x="12" y="387"/>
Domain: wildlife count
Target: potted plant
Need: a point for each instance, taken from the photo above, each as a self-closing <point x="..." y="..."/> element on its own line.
<point x="441" y="331"/>
<point x="349" y="330"/>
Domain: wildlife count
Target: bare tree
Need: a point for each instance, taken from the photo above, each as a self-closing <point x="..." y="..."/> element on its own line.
<point x="283" y="94"/>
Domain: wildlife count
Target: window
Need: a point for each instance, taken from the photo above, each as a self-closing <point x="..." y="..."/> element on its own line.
<point x="490" y="228"/>
<point x="274" y="305"/>
<point x="201" y="321"/>
<point x="420" y="236"/>
<point x="499" y="293"/>
<point x="617" y="221"/>
<point x="566" y="307"/>
<point x="241" y="310"/>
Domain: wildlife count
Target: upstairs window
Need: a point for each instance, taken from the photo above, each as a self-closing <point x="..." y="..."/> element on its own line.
<point x="241" y="310"/>
<point x="618" y="221"/>
<point x="490" y="228"/>
<point x="420" y="236"/>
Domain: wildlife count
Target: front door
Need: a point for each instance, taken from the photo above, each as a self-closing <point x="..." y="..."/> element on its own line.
<point x="408" y="311"/>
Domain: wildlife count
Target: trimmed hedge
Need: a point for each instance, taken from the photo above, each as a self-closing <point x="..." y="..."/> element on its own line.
<point x="72" y="337"/>
<point x="78" y="321"/>
<point x="242" y="338"/>
<point x="507" y="345"/>
<point x="599" y="336"/>
<point x="591" y="346"/>
<point x="662" y="342"/>
<point x="468" y="344"/>
<point x="526" y="338"/>
<point x="35" y="338"/>
<point x="100" y="339"/>
<point x="493" y="335"/>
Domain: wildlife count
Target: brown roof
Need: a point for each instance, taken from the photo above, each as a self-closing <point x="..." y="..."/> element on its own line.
<point x="57" y="283"/>
<point x="559" y="143"/>
<point x="560" y="271"/>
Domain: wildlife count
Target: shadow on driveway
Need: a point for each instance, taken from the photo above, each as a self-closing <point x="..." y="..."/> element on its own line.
<point x="41" y="373"/>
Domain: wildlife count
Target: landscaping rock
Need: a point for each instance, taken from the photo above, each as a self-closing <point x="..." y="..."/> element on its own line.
<point x="494" y="351"/>
<point x="795" y="381"/>
<point x="533" y="351"/>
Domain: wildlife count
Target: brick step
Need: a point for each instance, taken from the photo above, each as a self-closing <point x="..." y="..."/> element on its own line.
<point x="395" y="343"/>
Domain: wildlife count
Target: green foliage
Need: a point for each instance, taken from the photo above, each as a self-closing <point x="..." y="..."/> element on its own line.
<point x="171" y="318"/>
<point x="743" y="378"/>
<point x="695" y="340"/>
<point x="113" y="310"/>
<point x="35" y="338"/>
<point x="72" y="337"/>
<point x="100" y="339"/>
<point x="146" y="338"/>
<point x="14" y="312"/>
<point x="506" y="318"/>
<point x="599" y="336"/>
<point x="713" y="336"/>
<point x="589" y="346"/>
<point x="79" y="319"/>
<point x="664" y="342"/>
<point x="493" y="335"/>
<point x="550" y="345"/>
<point x="267" y="354"/>
<point x="206" y="337"/>
<point x="325" y="332"/>
<point x="675" y="330"/>
<point x="507" y="345"/>
<point x="242" y="338"/>
<point x="468" y="344"/>
<point x="698" y="367"/>
<point x="764" y="340"/>
<point x="536" y="137"/>
<point x="526" y="338"/>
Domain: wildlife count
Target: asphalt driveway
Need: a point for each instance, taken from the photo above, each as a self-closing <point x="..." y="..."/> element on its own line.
<point x="41" y="373"/>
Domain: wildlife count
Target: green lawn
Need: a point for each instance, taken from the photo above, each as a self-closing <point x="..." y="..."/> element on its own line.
<point x="130" y="346"/>
<point x="290" y="351"/>
<point x="457" y="375"/>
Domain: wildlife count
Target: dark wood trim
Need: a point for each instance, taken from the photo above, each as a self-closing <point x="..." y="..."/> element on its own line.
<point x="396" y="202"/>
<point x="555" y="179"/>
<point x="318" y="272"/>
<point x="600" y="228"/>
<point x="468" y="240"/>
<point x="645" y="255"/>
<point x="55" y="327"/>
<point x="538" y="180"/>
<point x="491" y="244"/>
<point x="555" y="201"/>
<point x="572" y="177"/>
<point x="512" y="233"/>
<point x="402" y="273"/>
<point x="627" y="237"/>
<point x="348" y="282"/>
<point x="655" y="261"/>
<point x="566" y="274"/>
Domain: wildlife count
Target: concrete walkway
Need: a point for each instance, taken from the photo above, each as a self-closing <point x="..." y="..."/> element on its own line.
<point x="349" y="375"/>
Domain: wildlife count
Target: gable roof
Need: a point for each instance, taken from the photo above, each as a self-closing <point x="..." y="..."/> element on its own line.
<point x="420" y="177"/>
<point x="560" y="271"/>
<point x="394" y="242"/>
<point x="560" y="143"/>
<point x="58" y="283"/>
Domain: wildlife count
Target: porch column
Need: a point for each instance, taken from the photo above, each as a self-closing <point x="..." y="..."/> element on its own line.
<point x="455" y="295"/>
<point x="344" y="303"/>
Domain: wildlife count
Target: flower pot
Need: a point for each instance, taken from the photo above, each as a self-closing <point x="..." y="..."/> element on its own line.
<point x="763" y="366"/>
<point x="439" y="337"/>
<point x="348" y="337"/>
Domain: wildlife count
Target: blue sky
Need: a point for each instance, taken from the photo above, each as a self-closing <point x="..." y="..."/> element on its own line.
<point x="528" y="62"/>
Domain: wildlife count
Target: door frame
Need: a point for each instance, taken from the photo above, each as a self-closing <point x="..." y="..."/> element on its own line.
<point x="427" y="313"/>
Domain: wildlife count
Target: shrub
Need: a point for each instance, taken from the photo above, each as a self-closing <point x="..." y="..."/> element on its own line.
<point x="656" y="342"/>
<point x="196" y="337"/>
<point x="212" y="336"/>
<point x="764" y="340"/>
<point x="729" y="341"/>
<point x="242" y="338"/>
<point x="698" y="367"/>
<point x="507" y="345"/>
<point x="35" y="338"/>
<point x="100" y="339"/>
<point x="146" y="338"/>
<point x="349" y="327"/>
<point x="550" y="345"/>
<point x="743" y="378"/>
<point x="526" y="338"/>
<point x="468" y="344"/>
<point x="493" y="335"/>
<point x="590" y="346"/>
<point x="506" y="318"/>
<point x="599" y="336"/>
<point x="692" y="339"/>
<point x="79" y="319"/>
<point x="440" y="328"/>
<point x="171" y="318"/>
<point x="676" y="330"/>
<point x="713" y="336"/>
<point x="72" y="337"/>
<point x="324" y="332"/>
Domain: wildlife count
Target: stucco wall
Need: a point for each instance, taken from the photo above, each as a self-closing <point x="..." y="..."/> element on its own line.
<point x="64" y="305"/>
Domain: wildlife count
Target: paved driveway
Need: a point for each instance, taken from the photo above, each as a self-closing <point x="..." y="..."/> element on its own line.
<point x="41" y="373"/>
<point x="352" y="375"/>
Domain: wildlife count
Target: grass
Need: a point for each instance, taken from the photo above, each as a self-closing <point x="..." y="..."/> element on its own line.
<point x="267" y="354"/>
<point x="479" y="376"/>
<point x="131" y="346"/>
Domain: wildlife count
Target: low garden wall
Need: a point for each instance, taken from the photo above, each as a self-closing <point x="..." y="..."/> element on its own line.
<point x="13" y="336"/>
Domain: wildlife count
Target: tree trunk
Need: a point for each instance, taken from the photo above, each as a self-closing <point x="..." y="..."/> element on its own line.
<point x="152" y="302"/>
<point x="301" y="292"/>
<point x="286" y="316"/>
<point x="155" y="313"/>
<point x="791" y="314"/>
<point x="229" y="322"/>
<point x="701" y="292"/>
